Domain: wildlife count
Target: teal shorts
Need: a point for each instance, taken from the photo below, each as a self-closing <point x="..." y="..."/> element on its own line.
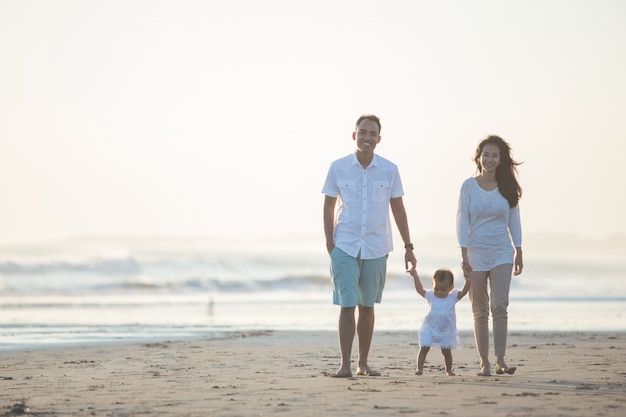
<point x="355" y="280"/>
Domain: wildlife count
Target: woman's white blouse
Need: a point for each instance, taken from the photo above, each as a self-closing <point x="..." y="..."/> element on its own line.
<point x="487" y="226"/>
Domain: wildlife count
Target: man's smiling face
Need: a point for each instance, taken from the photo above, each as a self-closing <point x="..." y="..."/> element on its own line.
<point x="367" y="137"/>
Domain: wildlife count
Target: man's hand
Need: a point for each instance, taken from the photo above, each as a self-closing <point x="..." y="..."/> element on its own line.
<point x="409" y="258"/>
<point x="330" y="246"/>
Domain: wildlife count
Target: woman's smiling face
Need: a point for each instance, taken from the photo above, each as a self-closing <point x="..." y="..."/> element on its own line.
<point x="490" y="157"/>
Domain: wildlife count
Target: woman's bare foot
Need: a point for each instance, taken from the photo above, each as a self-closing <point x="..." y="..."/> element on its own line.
<point x="366" y="371"/>
<point x="505" y="369"/>
<point x="484" y="372"/>
<point x="342" y="373"/>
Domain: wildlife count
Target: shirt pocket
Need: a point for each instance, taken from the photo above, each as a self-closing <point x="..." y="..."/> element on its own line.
<point x="347" y="191"/>
<point x="381" y="191"/>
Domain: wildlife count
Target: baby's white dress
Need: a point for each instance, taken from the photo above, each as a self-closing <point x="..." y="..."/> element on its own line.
<point x="439" y="326"/>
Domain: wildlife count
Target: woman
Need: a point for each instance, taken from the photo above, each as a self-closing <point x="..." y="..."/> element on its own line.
<point x="490" y="236"/>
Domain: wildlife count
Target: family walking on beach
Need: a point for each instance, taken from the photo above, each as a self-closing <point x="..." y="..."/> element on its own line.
<point x="359" y="190"/>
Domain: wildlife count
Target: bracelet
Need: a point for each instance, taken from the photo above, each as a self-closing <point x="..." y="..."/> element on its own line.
<point x="409" y="246"/>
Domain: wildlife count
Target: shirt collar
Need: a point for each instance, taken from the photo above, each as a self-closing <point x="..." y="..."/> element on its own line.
<point x="355" y="161"/>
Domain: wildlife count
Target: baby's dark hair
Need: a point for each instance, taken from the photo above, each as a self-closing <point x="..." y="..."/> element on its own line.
<point x="443" y="275"/>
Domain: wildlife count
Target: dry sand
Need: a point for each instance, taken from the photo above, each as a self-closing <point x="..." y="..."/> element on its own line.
<point x="285" y="373"/>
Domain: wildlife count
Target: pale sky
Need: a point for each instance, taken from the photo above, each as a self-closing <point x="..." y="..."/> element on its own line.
<point x="220" y="118"/>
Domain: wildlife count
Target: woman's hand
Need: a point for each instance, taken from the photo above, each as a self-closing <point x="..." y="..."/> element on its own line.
<point x="519" y="263"/>
<point x="465" y="265"/>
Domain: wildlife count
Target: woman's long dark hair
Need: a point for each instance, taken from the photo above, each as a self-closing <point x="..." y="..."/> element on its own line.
<point x="506" y="172"/>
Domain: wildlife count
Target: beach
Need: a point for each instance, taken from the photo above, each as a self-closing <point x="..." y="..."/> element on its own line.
<point x="259" y="373"/>
<point x="188" y="330"/>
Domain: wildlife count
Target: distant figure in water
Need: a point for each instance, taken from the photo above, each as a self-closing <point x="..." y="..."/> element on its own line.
<point x="490" y="236"/>
<point x="359" y="238"/>
<point x="211" y="303"/>
<point x="439" y="326"/>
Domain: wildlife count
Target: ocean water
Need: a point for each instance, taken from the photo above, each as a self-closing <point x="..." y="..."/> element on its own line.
<point x="105" y="290"/>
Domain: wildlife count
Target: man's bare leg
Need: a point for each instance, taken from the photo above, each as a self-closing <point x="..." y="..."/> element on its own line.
<point x="365" y="330"/>
<point x="346" y="337"/>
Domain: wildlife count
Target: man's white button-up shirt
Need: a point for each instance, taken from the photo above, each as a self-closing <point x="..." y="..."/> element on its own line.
<point x="362" y="223"/>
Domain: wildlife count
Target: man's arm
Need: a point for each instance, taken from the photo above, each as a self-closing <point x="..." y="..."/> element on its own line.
<point x="329" y="221"/>
<point x="399" y="214"/>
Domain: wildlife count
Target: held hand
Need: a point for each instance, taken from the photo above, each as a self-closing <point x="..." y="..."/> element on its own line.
<point x="467" y="268"/>
<point x="409" y="258"/>
<point x="465" y="264"/>
<point x="413" y="273"/>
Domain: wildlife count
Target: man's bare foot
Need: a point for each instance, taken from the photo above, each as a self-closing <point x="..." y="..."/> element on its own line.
<point x="419" y="372"/>
<point x="342" y="373"/>
<point x="450" y="373"/>
<point x="366" y="371"/>
<point x="484" y="372"/>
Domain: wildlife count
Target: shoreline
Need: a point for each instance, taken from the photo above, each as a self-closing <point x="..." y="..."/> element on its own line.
<point x="208" y="334"/>
<point x="254" y="373"/>
<point x="23" y="328"/>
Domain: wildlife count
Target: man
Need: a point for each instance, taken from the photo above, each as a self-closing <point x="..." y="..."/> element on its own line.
<point x="359" y="239"/>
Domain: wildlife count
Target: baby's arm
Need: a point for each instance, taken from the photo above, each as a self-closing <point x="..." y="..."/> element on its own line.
<point x="465" y="289"/>
<point x="418" y="284"/>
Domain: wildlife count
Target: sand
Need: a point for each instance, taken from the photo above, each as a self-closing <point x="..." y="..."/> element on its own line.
<point x="285" y="373"/>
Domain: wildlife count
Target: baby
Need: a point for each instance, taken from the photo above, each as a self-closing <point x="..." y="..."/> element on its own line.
<point x="439" y="327"/>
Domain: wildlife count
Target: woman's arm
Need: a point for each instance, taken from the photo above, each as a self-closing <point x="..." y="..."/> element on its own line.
<point x="462" y="227"/>
<point x="465" y="264"/>
<point x="515" y="229"/>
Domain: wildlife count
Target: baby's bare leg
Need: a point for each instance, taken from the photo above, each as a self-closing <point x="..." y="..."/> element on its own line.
<point x="447" y="355"/>
<point x="421" y="359"/>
